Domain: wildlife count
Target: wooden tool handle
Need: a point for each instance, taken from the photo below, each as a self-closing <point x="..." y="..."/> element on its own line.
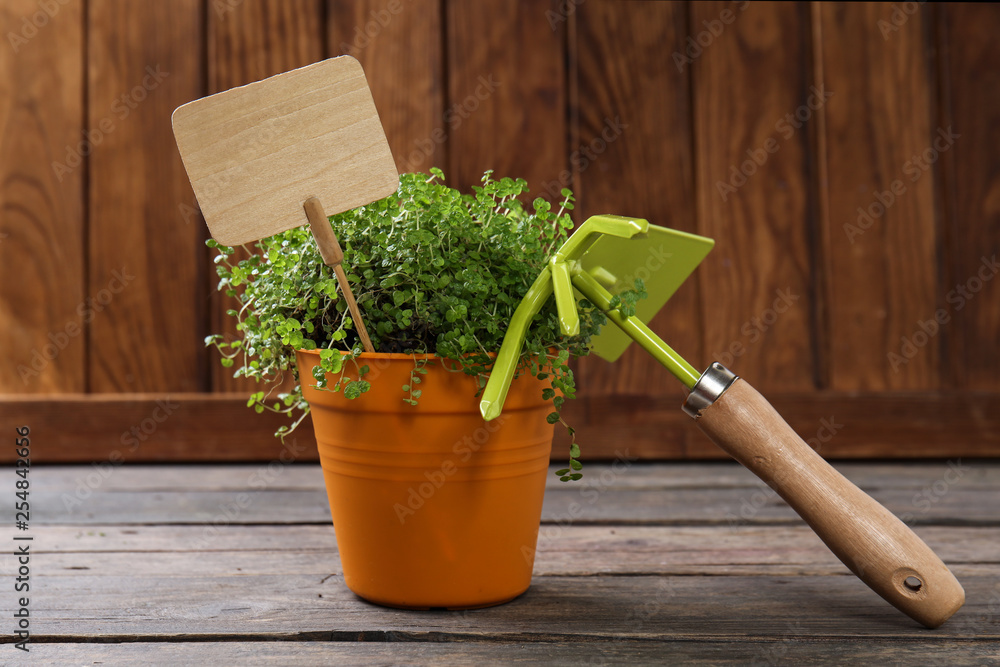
<point x="869" y="539"/>
<point x="333" y="256"/>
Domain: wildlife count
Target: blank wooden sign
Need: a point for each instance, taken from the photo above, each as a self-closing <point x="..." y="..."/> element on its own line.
<point x="256" y="153"/>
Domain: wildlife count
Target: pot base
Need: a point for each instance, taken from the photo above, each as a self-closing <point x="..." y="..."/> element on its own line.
<point x="485" y="605"/>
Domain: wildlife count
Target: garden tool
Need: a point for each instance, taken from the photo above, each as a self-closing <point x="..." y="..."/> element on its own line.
<point x="602" y="258"/>
<point x="266" y="157"/>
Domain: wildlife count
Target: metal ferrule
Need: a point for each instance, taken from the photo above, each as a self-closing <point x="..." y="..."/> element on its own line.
<point x="712" y="384"/>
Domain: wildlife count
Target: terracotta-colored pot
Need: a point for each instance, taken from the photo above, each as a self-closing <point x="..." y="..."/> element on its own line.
<point x="432" y="506"/>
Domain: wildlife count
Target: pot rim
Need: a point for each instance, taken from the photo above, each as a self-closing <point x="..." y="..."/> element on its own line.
<point x="374" y="355"/>
<point x="386" y="355"/>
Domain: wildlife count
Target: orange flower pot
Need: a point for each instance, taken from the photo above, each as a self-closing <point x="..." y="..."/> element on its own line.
<point x="433" y="507"/>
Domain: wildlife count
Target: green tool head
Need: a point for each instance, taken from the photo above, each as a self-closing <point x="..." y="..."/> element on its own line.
<point x="605" y="254"/>
<point x="662" y="258"/>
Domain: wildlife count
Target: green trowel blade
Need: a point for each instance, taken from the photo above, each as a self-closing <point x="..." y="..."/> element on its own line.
<point x="663" y="258"/>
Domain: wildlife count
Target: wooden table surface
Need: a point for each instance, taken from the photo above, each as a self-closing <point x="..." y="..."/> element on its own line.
<point x="655" y="564"/>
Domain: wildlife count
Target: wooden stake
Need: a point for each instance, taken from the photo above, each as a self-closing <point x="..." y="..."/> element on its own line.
<point x="333" y="256"/>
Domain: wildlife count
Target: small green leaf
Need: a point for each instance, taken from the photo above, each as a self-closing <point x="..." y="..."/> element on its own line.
<point x="356" y="388"/>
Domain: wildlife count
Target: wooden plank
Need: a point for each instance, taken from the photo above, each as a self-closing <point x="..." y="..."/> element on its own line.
<point x="839" y="425"/>
<point x="166" y="427"/>
<point x="914" y="476"/>
<point x="400" y="45"/>
<point x="972" y="217"/>
<point x="632" y="156"/>
<point x="736" y="651"/>
<point x="250" y="41"/>
<point x="506" y="92"/>
<point x="953" y="493"/>
<point x="186" y="606"/>
<point x="141" y="66"/>
<point x="201" y="427"/>
<point x="572" y="550"/>
<point x="42" y="334"/>
<point x="752" y="184"/>
<point x="882" y="264"/>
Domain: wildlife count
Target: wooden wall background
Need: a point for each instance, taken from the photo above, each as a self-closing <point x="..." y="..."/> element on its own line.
<point x="528" y="88"/>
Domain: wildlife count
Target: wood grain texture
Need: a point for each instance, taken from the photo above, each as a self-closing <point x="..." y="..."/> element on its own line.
<point x="576" y="550"/>
<point x="42" y="335"/>
<point x="165" y="427"/>
<point x="400" y="43"/>
<point x="142" y="63"/>
<point x="638" y="507"/>
<point x="631" y="155"/>
<point x="735" y="651"/>
<point x="958" y="494"/>
<point x="263" y="584"/>
<point x="250" y="41"/>
<point x="752" y="182"/>
<point x="255" y="39"/>
<point x="191" y="605"/>
<point x="882" y="261"/>
<point x="506" y="92"/>
<point x="865" y="536"/>
<point x="221" y="428"/>
<point x="971" y="93"/>
<point x="978" y="476"/>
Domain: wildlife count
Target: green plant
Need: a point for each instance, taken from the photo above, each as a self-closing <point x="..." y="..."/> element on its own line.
<point x="433" y="271"/>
